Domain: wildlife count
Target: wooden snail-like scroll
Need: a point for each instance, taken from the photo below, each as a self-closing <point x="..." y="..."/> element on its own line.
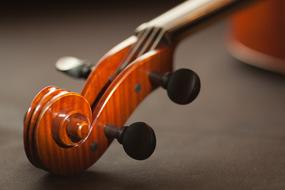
<point x="64" y="136"/>
<point x="66" y="132"/>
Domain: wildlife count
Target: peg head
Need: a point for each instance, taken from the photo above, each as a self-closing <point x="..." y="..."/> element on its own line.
<point x="74" y="67"/>
<point x="138" y="139"/>
<point x="183" y="86"/>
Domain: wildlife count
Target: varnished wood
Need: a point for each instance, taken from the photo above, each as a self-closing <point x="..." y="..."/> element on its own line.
<point x="114" y="108"/>
<point x="64" y="131"/>
<point x="257" y="35"/>
<point x="31" y="118"/>
<point x="99" y="76"/>
<point x="105" y="68"/>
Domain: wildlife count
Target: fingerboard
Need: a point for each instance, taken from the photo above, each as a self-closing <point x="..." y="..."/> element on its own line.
<point x="178" y="20"/>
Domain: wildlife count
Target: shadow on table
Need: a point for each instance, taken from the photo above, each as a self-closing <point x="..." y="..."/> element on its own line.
<point x="89" y="180"/>
<point x="247" y="69"/>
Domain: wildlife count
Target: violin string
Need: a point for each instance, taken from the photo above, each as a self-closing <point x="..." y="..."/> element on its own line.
<point x="157" y="40"/>
<point x="148" y="38"/>
<point x="141" y="38"/>
<point x="149" y="41"/>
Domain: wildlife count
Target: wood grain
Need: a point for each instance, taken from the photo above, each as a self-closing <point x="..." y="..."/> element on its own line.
<point x="100" y="74"/>
<point x="105" y="68"/>
<point x="51" y="125"/>
<point x="114" y="107"/>
<point x="31" y="118"/>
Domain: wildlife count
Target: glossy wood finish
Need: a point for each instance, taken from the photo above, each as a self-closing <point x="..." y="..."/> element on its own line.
<point x="69" y="115"/>
<point x="105" y="68"/>
<point x="261" y="27"/>
<point x="114" y="108"/>
<point x="31" y="118"/>
<point x="100" y="74"/>
<point x="51" y="138"/>
<point x="64" y="131"/>
<point x="258" y="35"/>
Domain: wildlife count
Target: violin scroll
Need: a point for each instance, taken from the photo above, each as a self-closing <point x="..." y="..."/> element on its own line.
<point x="65" y="132"/>
<point x="70" y="117"/>
<point x="57" y="120"/>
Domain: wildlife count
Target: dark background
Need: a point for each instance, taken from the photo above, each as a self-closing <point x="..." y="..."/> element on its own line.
<point x="231" y="137"/>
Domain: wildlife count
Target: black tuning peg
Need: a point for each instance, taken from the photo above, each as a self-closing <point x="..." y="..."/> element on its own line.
<point x="182" y="85"/>
<point x="74" y="67"/>
<point x="138" y="139"/>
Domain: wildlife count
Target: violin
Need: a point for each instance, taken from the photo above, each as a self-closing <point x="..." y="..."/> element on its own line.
<point x="263" y="21"/>
<point x="67" y="132"/>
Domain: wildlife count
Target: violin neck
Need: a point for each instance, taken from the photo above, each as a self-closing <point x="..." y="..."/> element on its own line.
<point x="179" y="21"/>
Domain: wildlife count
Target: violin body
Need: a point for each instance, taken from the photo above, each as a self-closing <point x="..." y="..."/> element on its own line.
<point x="66" y="132"/>
<point x="257" y="35"/>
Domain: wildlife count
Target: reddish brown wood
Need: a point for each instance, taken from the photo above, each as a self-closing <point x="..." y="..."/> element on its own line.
<point x="31" y="118"/>
<point x="64" y="136"/>
<point x="105" y="68"/>
<point x="114" y="107"/>
<point x="261" y="28"/>
<point x="100" y="74"/>
<point x="70" y="117"/>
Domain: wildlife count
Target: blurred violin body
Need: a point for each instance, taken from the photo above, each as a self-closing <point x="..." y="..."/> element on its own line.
<point x="66" y="132"/>
<point x="257" y="36"/>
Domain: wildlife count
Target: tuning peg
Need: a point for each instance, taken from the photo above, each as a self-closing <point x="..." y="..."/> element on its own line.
<point x="182" y="86"/>
<point x="74" y="67"/>
<point x="138" y="139"/>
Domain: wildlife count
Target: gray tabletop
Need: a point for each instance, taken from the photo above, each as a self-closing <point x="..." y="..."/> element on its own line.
<point x="231" y="137"/>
